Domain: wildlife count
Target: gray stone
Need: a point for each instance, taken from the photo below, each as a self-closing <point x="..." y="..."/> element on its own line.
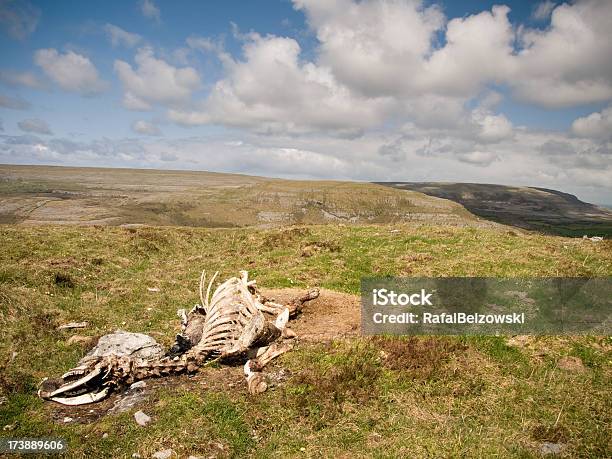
<point x="128" y="402"/>
<point x="551" y="448"/>
<point x="121" y="343"/>
<point x="138" y="385"/>
<point x="141" y="418"/>
<point x="163" y="454"/>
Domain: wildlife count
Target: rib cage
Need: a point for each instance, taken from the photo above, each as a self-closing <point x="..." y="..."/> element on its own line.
<point x="233" y="318"/>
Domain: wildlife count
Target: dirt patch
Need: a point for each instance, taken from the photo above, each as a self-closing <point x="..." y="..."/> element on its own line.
<point x="570" y="363"/>
<point x="324" y="246"/>
<point x="285" y="237"/>
<point x="333" y="315"/>
<point x="421" y="356"/>
<point x="553" y="434"/>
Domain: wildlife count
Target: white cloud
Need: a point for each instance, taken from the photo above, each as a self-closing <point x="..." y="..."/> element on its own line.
<point x="150" y="10"/>
<point x="389" y="48"/>
<point x="568" y="63"/>
<point x="14" y="103"/>
<point x="597" y="125"/>
<point x="71" y="71"/>
<point x="542" y="10"/>
<point x="153" y="81"/>
<point x="18" y="18"/>
<point x="491" y="127"/>
<point x="145" y="128"/>
<point x="479" y="158"/>
<point x="379" y="62"/>
<point x="271" y="90"/>
<point x="34" y="125"/>
<point x="373" y="47"/>
<point x="120" y="37"/>
<point x="27" y="79"/>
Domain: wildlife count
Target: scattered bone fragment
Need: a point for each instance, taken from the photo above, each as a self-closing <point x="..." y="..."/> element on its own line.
<point x="71" y="325"/>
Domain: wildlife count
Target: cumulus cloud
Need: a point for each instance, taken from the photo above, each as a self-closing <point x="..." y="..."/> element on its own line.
<point x="568" y="63"/>
<point x="491" y="127"/>
<point x="27" y="79"/>
<point x="145" y="128"/>
<point x="271" y="90"/>
<point x="378" y="61"/>
<point x="14" y="103"/>
<point x="479" y="158"/>
<point x="119" y="37"/>
<point x="34" y="125"/>
<point x="18" y="18"/>
<point x="390" y="48"/>
<point x="153" y="80"/>
<point x="374" y="47"/>
<point x="150" y="10"/>
<point x="597" y="125"/>
<point x="71" y="71"/>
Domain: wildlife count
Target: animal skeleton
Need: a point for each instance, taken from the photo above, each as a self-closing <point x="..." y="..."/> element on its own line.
<point x="228" y="326"/>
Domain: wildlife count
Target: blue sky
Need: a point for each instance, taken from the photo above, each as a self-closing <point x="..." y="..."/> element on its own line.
<point x="370" y="90"/>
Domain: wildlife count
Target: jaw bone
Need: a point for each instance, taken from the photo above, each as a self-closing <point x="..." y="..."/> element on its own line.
<point x="91" y="380"/>
<point x="82" y="399"/>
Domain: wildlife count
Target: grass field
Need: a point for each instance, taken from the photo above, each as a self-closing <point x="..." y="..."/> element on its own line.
<point x="348" y="397"/>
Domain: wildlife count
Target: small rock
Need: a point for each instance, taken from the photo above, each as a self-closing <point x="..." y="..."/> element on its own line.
<point x="153" y="289"/>
<point x="136" y="456"/>
<point x="570" y="363"/>
<point x="142" y="419"/>
<point x="163" y="454"/>
<point x="68" y="419"/>
<point x="79" y="339"/>
<point x="128" y="402"/>
<point x="551" y="448"/>
<point x="3" y="400"/>
<point x="105" y="435"/>
<point x="138" y="385"/>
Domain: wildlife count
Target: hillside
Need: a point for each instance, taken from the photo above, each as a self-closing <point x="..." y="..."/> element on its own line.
<point x="541" y="209"/>
<point x="67" y="195"/>
<point x="337" y="394"/>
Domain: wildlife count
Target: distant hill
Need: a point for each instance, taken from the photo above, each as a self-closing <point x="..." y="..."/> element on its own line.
<point x="87" y="196"/>
<point x="532" y="208"/>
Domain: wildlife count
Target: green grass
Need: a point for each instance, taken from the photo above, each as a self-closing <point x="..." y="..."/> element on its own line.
<point x="383" y="397"/>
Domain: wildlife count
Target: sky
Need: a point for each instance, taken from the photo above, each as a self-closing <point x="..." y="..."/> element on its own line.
<point x="515" y="93"/>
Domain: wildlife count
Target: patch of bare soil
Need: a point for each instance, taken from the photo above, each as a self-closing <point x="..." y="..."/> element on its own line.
<point x="333" y="315"/>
